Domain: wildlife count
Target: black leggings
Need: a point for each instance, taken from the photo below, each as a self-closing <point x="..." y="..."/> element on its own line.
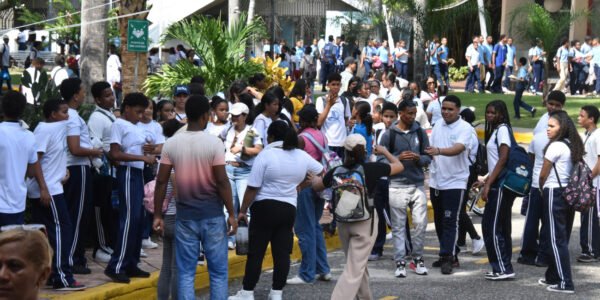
<point x="272" y="221"/>
<point x="465" y="225"/>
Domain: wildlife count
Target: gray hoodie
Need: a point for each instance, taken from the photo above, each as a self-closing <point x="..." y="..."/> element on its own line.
<point x="413" y="174"/>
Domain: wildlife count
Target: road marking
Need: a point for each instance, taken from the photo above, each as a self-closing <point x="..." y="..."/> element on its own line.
<point x="388" y="298"/>
<point x="486" y="260"/>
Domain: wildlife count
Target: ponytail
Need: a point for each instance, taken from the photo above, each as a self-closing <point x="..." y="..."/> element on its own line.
<point x="364" y="113"/>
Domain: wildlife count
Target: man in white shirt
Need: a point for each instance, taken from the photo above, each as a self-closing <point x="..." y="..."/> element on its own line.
<point x="350" y="65"/>
<point x="100" y="123"/>
<point x="5" y="75"/>
<point x="113" y="71"/>
<point x="449" y="174"/>
<point x="555" y="102"/>
<point x="472" y="55"/>
<point x="589" y="234"/>
<point x="78" y="188"/>
<point x="334" y="112"/>
<point x="59" y="72"/>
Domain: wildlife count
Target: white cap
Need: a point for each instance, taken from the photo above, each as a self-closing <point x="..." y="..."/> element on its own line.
<point x="353" y="140"/>
<point x="238" y="109"/>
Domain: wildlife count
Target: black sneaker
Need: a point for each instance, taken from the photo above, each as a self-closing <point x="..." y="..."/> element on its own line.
<point x="447" y="266"/>
<point x="80" y="269"/>
<point x="533" y="113"/>
<point x="117" y="277"/>
<point x="74" y="286"/>
<point x="525" y="261"/>
<point x="586" y="258"/>
<point x="438" y="263"/>
<point x="138" y="273"/>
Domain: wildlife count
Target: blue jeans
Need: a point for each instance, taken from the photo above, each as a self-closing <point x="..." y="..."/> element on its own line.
<point x="597" y="72"/>
<point x="310" y="235"/>
<point x="538" y="69"/>
<point x="212" y="233"/>
<point x="238" y="178"/>
<point x="436" y="73"/>
<point x="367" y="70"/>
<point x="497" y="83"/>
<point x="472" y="79"/>
<point x="507" y="72"/>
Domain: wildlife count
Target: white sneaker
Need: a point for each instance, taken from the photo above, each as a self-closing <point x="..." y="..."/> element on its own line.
<point x="149" y="244"/>
<point x="388" y="236"/>
<point x="477" y="246"/>
<point x="297" y="280"/>
<point x="143" y="254"/>
<point x="231" y="245"/>
<point x="275" y="295"/>
<point x="101" y="256"/>
<point x="242" y="295"/>
<point x="400" y="269"/>
<point x="325" y="277"/>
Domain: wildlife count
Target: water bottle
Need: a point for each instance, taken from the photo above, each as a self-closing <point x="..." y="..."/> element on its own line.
<point x="241" y="238"/>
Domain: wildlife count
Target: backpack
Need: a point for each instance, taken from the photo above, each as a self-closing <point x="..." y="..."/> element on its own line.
<point x="310" y="69"/>
<point x="344" y="101"/>
<point x="480" y="166"/>
<point x="393" y="134"/>
<point x="579" y="193"/>
<point x="328" y="53"/>
<point x="149" y="197"/>
<point x="329" y="160"/>
<point x="516" y="176"/>
<point x="350" y="200"/>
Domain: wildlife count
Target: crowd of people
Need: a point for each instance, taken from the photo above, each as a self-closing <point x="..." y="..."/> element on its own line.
<point x="192" y="169"/>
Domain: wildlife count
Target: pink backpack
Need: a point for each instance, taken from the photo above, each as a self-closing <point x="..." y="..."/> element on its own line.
<point x="149" y="197"/>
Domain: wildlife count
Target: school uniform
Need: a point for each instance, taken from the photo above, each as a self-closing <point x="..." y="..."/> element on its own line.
<point x="51" y="140"/>
<point x="496" y="222"/>
<point x="130" y="185"/>
<point x="17" y="149"/>
<point x="558" y="216"/>
<point x="100" y="124"/>
<point x="589" y="234"/>
<point x="448" y="182"/>
<point x="78" y="189"/>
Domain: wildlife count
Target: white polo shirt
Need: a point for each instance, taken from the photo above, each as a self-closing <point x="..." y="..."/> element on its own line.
<point x="17" y="150"/>
<point x="473" y="54"/>
<point x="542" y="124"/>
<point x="450" y="172"/>
<point x="51" y="140"/>
<point x="153" y="132"/>
<point x="76" y="127"/>
<point x="131" y="138"/>
<point x="559" y="154"/>
<point x="100" y="124"/>
<point x="536" y="147"/>
<point x="334" y="126"/>
<point x="592" y="145"/>
<point x="278" y="172"/>
<point x="493" y="154"/>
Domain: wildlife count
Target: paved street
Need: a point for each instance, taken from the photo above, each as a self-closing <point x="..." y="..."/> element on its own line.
<point x="466" y="283"/>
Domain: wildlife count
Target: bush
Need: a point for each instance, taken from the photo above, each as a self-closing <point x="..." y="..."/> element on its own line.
<point x="458" y="74"/>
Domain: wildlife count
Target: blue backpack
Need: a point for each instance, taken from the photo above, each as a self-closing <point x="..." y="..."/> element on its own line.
<point x="517" y="174"/>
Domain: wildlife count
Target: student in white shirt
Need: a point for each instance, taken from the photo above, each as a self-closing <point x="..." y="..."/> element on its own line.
<point x="126" y="147"/>
<point x="449" y="173"/>
<point x="78" y="188"/>
<point x="589" y="234"/>
<point x="554" y="102"/>
<point x="496" y="223"/>
<point x="219" y="115"/>
<point x="267" y="112"/>
<point x="51" y="144"/>
<point x="276" y="173"/>
<point x="17" y="149"/>
<point x="563" y="151"/>
<point x="393" y="93"/>
<point x="334" y="112"/>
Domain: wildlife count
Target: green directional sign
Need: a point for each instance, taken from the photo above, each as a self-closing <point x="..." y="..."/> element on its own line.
<point x="137" y="35"/>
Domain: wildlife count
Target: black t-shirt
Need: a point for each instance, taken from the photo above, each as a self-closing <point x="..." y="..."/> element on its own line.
<point x="373" y="172"/>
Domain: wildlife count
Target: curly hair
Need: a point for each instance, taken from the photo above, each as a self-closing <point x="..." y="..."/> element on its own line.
<point x="568" y="133"/>
<point x="501" y="109"/>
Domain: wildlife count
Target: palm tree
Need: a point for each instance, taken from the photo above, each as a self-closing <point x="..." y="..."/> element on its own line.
<point x="131" y="60"/>
<point x="533" y="22"/>
<point x="93" y="43"/>
<point x="221" y="49"/>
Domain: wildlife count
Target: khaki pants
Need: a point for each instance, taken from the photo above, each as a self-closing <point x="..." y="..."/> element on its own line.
<point x="562" y="80"/>
<point x="357" y="242"/>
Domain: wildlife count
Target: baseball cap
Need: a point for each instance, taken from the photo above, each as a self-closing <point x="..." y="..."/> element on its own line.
<point x="181" y="89"/>
<point x="354" y="140"/>
<point x="348" y="61"/>
<point x="238" y="109"/>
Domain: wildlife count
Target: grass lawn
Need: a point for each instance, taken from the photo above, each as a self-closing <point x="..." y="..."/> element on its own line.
<point x="479" y="101"/>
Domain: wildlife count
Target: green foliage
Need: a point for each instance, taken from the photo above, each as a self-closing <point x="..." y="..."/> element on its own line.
<point x="458" y="74"/>
<point x="221" y="50"/>
<point x="65" y="13"/>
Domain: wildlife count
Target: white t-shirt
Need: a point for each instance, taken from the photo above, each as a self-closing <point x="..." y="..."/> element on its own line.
<point x="228" y="135"/>
<point x="51" y="140"/>
<point x="153" y="132"/>
<point x="59" y="74"/>
<point x="592" y="147"/>
<point x="393" y="95"/>
<point x="278" y="172"/>
<point x="216" y="130"/>
<point x="542" y="124"/>
<point x="76" y="127"/>
<point x="493" y="148"/>
<point x="100" y="124"/>
<point x="536" y="147"/>
<point x="334" y="126"/>
<point x="450" y="172"/>
<point x="131" y="138"/>
<point x="427" y="97"/>
<point x="113" y="74"/>
<point x="17" y="150"/>
<point x="261" y="125"/>
<point x="422" y="118"/>
<point x="346" y="76"/>
<point x="559" y="154"/>
<point x="473" y="55"/>
<point x="435" y="109"/>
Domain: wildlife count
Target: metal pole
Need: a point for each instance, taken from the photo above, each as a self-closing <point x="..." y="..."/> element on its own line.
<point x="272" y="29"/>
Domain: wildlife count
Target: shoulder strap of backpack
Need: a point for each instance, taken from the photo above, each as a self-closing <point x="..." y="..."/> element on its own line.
<point x="556" y="173"/>
<point x="392" y="140"/>
<point x="313" y="141"/>
<point x="377" y="134"/>
<point x="112" y="119"/>
<point x="420" y="133"/>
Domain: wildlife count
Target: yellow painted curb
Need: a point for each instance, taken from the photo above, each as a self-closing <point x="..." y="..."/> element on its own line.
<point x="145" y="288"/>
<point x="520" y="137"/>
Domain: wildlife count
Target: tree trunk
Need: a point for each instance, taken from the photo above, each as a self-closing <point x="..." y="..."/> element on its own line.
<point x="128" y="59"/>
<point x="251" y="5"/>
<point x="233" y="7"/>
<point x="419" y="42"/>
<point x="388" y="28"/>
<point x="93" y="44"/>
